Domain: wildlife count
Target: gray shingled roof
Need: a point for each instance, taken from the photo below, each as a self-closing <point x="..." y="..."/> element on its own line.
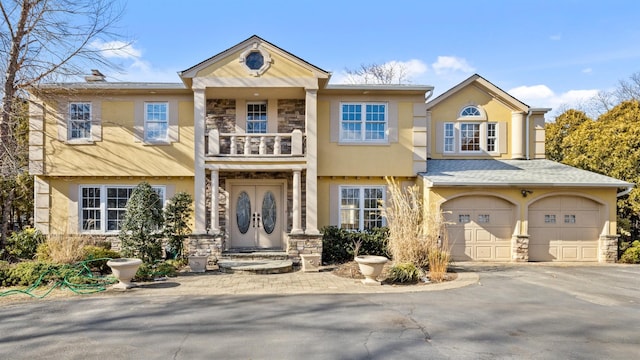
<point x="540" y="172"/>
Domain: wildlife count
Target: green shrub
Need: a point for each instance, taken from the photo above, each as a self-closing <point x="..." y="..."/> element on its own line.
<point x="404" y="273"/>
<point x="28" y="272"/>
<point x="632" y="254"/>
<point x="147" y="272"/>
<point x="141" y="227"/>
<point x="176" y="224"/>
<point x="338" y="244"/>
<point x="90" y="253"/>
<point x="23" y="244"/>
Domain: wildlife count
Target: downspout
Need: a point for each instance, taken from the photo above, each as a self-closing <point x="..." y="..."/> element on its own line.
<point x="526" y="124"/>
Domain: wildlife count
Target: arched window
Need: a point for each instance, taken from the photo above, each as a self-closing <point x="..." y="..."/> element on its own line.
<point x="470" y="111"/>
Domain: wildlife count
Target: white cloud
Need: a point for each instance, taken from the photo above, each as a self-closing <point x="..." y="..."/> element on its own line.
<point x="413" y="69"/>
<point x="543" y="96"/>
<point x="556" y="37"/>
<point x="133" y="66"/>
<point x="587" y="70"/>
<point x="117" y="49"/>
<point x="449" y="64"/>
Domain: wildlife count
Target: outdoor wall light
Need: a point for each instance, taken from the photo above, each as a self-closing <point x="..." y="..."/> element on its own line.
<point x="525" y="192"/>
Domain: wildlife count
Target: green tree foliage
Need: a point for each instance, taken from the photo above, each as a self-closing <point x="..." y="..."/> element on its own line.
<point x="556" y="132"/>
<point x="141" y="228"/>
<point x="177" y="214"/>
<point x="609" y="145"/>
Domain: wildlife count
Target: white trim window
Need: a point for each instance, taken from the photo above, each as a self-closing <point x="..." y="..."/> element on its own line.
<point x="360" y="207"/>
<point x="256" y="117"/>
<point x="156" y="121"/>
<point x="449" y="138"/>
<point x="363" y="122"/>
<point x="469" y="137"/>
<point x="492" y="136"/>
<point x="102" y="207"/>
<point x="79" y="121"/>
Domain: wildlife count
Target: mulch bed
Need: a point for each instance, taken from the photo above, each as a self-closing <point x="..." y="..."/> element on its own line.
<point x="350" y="270"/>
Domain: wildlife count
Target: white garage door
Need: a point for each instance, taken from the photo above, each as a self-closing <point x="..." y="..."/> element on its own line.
<point x="479" y="228"/>
<point x="564" y="228"/>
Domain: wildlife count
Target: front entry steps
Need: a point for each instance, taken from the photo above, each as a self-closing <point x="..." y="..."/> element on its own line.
<point x="255" y="261"/>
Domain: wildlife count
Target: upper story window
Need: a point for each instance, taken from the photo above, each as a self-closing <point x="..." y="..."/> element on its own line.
<point x="470" y="111"/>
<point x="449" y="138"/>
<point x="257" y="118"/>
<point x="360" y="207"/>
<point x="156" y="121"/>
<point x="471" y="137"/>
<point x="79" y="120"/>
<point x="254" y="60"/>
<point x="363" y="122"/>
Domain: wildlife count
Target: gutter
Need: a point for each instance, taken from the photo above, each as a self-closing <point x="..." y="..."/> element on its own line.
<point x="625" y="192"/>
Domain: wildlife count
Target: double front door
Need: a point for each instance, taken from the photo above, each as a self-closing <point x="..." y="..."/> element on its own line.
<point x="256" y="216"/>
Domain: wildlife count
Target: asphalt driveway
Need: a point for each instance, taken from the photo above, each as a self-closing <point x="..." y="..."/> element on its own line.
<point x="513" y="311"/>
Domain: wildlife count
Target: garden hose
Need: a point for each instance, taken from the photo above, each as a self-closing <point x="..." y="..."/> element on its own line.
<point x="77" y="277"/>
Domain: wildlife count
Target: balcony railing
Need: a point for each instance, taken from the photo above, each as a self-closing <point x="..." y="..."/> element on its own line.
<point x="252" y="145"/>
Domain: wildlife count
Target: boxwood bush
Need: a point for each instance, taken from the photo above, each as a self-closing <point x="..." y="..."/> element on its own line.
<point x="338" y="244"/>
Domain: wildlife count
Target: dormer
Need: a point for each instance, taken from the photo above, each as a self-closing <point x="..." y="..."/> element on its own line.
<point x="478" y="120"/>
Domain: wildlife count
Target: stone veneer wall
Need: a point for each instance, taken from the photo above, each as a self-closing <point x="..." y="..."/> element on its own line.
<point x="520" y="248"/>
<point x="608" y="246"/>
<point x="221" y="115"/>
<point x="291" y="115"/>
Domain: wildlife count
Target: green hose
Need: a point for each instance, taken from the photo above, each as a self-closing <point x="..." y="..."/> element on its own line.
<point x="65" y="276"/>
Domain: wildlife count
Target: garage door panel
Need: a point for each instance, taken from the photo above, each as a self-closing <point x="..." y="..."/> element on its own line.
<point x="574" y="234"/>
<point x="487" y="234"/>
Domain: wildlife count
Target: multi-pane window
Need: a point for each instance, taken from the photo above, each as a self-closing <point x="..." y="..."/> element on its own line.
<point x="569" y="219"/>
<point x="550" y="219"/>
<point x="103" y="207"/>
<point x="363" y="122"/>
<point x="491" y="137"/>
<point x="464" y="218"/>
<point x="469" y="137"/>
<point x="360" y="207"/>
<point x="257" y="118"/>
<point x="156" y="121"/>
<point x="79" y="120"/>
<point x="484" y="218"/>
<point x="449" y="138"/>
<point x="470" y="111"/>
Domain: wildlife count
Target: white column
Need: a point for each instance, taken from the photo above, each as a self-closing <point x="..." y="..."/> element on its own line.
<point x="311" y="108"/>
<point x="215" y="201"/>
<point x="517" y="134"/>
<point x="199" y="108"/>
<point x="297" y="213"/>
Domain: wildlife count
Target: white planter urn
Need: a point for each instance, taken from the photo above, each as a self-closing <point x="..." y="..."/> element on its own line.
<point x="371" y="267"/>
<point x="198" y="262"/>
<point x="124" y="270"/>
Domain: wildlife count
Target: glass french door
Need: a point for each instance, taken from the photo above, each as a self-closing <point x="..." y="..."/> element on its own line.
<point x="256" y="216"/>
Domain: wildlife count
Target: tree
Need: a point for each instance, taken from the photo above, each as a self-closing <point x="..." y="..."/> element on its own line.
<point x="141" y="228"/>
<point x="609" y="146"/>
<point x="42" y="40"/>
<point x="388" y="73"/>
<point x="176" y="222"/>
<point x="558" y="131"/>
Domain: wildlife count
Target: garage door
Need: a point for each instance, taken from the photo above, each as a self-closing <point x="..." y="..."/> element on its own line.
<point x="564" y="228"/>
<point x="479" y="228"/>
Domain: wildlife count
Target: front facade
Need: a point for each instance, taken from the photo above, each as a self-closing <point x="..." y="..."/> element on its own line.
<point x="272" y="153"/>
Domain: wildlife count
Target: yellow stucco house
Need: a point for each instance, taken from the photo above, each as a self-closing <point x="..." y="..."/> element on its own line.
<point x="272" y="153"/>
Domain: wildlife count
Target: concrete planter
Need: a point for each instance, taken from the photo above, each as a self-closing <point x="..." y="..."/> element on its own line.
<point x="371" y="267"/>
<point x="198" y="263"/>
<point x="124" y="270"/>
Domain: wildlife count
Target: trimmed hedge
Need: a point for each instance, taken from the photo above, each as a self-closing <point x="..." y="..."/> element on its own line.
<point x="338" y="244"/>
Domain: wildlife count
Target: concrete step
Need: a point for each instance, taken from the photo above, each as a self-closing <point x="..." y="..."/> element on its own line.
<point x="254" y="254"/>
<point x="255" y="266"/>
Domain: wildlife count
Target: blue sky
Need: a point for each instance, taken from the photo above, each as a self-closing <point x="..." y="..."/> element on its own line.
<point x="546" y="53"/>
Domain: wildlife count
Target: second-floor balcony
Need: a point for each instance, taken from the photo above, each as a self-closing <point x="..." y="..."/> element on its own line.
<point x="255" y="144"/>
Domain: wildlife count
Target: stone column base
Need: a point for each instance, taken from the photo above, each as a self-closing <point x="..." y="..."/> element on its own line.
<point x="520" y="248"/>
<point x="608" y="248"/>
<point x="210" y="244"/>
<point x="307" y="244"/>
